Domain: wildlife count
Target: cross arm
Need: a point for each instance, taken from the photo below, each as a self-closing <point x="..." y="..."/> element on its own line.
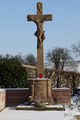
<point x="47" y="17"/>
<point x="31" y="17"/>
<point x="41" y="18"/>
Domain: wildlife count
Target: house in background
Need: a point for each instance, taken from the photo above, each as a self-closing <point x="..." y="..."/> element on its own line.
<point x="69" y="66"/>
<point x="72" y="66"/>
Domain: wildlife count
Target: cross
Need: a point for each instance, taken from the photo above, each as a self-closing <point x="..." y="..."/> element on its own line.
<point x="39" y="19"/>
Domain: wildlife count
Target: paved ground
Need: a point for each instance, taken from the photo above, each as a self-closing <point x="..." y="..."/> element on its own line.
<point x="10" y="113"/>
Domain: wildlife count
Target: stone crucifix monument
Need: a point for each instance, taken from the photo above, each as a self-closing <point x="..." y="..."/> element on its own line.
<point x="40" y="88"/>
<point x="39" y="19"/>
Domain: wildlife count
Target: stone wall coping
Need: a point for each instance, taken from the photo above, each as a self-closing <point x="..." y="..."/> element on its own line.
<point x="39" y="79"/>
<point x="62" y="89"/>
<point x="2" y="90"/>
<point x="16" y="88"/>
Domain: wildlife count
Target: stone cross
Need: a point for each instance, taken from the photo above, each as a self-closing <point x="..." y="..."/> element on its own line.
<point x="39" y="19"/>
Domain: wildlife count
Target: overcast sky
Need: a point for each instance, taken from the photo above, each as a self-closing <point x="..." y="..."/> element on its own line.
<point x="17" y="35"/>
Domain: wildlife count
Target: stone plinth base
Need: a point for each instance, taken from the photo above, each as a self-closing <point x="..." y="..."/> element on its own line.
<point x="47" y="107"/>
<point x="40" y="89"/>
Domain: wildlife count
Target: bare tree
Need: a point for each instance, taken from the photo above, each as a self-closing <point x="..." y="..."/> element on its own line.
<point x="19" y="58"/>
<point x="58" y="57"/>
<point x="30" y="59"/>
<point x="76" y="48"/>
<point x="65" y="56"/>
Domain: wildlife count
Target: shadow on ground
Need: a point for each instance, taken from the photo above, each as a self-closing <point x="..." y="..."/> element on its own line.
<point x="11" y="108"/>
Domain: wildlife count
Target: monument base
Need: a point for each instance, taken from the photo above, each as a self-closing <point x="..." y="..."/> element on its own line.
<point x="47" y="107"/>
<point x="40" y="90"/>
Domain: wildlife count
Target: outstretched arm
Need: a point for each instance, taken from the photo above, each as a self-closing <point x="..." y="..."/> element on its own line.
<point x="47" y="17"/>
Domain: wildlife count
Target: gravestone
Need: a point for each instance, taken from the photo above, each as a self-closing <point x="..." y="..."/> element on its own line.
<point x="40" y="87"/>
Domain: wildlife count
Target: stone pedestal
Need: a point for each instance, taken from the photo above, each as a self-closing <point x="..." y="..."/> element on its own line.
<point x="40" y="89"/>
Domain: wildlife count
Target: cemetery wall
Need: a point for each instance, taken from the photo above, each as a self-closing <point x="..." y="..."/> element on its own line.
<point x="16" y="96"/>
<point x="2" y="99"/>
<point x="62" y="95"/>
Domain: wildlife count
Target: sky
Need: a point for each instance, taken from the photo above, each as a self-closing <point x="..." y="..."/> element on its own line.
<point x="17" y="35"/>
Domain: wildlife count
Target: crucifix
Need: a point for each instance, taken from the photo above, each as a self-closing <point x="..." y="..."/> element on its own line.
<point x="39" y="19"/>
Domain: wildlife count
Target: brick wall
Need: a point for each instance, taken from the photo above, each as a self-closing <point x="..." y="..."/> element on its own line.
<point x="2" y="99"/>
<point x="62" y="95"/>
<point x="16" y="96"/>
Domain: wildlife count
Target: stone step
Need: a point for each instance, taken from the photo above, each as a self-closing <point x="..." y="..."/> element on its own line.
<point x="47" y="107"/>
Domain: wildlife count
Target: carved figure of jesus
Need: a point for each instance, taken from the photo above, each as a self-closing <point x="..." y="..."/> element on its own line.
<point x="39" y="19"/>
